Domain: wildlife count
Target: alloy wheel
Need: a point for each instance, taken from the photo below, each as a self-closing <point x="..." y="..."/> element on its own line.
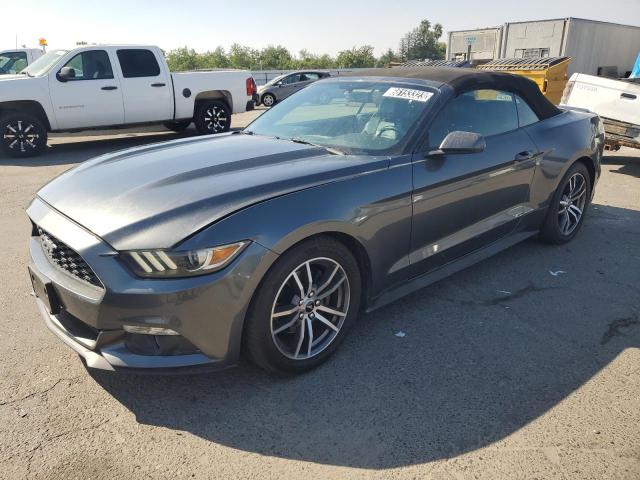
<point x="310" y="308"/>
<point x="21" y="136"/>
<point x="215" y="119"/>
<point x="572" y="203"/>
<point x="267" y="100"/>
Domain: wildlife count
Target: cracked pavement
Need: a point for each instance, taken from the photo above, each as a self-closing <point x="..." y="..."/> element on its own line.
<point x="505" y="371"/>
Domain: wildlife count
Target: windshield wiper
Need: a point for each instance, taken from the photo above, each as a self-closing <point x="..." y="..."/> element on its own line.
<point x="335" y="151"/>
<point x="242" y="132"/>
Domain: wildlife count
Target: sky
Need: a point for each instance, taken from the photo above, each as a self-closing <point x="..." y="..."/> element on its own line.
<point x="321" y="26"/>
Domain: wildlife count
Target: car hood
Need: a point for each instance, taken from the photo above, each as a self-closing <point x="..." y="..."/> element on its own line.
<point x="156" y="196"/>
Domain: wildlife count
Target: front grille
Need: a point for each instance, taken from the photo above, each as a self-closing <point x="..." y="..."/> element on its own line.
<point x="67" y="259"/>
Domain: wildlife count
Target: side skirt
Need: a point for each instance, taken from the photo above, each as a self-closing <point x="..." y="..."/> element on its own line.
<point x="447" y="270"/>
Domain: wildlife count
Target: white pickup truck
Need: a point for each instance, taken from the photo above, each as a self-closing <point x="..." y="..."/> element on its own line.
<point x="13" y="61"/>
<point x="110" y="86"/>
<point x="617" y="102"/>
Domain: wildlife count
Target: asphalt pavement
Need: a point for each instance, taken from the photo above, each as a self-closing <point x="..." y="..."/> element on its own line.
<point x="525" y="366"/>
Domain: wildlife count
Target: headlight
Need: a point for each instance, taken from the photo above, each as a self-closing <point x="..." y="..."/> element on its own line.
<point x="170" y="264"/>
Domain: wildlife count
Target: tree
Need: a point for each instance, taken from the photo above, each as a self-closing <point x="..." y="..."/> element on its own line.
<point x="243" y="57"/>
<point x="386" y="58"/>
<point x="423" y="43"/>
<point x="182" y="59"/>
<point x="356" y="57"/>
<point x="275" y="58"/>
<point x="215" y="59"/>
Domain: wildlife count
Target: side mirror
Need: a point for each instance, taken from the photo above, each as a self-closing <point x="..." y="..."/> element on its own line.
<point x="460" y="143"/>
<point x="65" y="74"/>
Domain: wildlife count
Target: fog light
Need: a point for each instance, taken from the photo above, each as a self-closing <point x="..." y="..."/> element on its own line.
<point x="149" y="330"/>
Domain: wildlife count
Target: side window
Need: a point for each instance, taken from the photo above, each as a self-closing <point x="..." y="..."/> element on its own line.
<point x="91" y="65"/>
<point x="487" y="112"/>
<point x="310" y="76"/>
<point x="526" y="116"/>
<point x="291" y="79"/>
<point x="137" y="63"/>
<point x="12" y="62"/>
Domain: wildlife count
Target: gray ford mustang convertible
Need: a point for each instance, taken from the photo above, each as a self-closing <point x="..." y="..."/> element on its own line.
<point x="269" y="242"/>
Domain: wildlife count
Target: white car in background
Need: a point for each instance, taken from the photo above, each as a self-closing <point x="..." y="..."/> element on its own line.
<point x="111" y="86"/>
<point x="617" y="102"/>
<point x="13" y="61"/>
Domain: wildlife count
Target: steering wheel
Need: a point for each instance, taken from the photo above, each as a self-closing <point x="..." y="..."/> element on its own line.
<point x="389" y="128"/>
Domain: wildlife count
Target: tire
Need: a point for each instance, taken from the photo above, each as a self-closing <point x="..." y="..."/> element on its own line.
<point x="569" y="199"/>
<point x="281" y="344"/>
<point x="178" y="126"/>
<point x="268" y="100"/>
<point x="22" y="135"/>
<point x="212" y="117"/>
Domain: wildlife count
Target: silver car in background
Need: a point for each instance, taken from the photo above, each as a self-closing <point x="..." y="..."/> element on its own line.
<point x="285" y="85"/>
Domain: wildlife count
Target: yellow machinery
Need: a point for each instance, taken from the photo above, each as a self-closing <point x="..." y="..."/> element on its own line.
<point x="550" y="73"/>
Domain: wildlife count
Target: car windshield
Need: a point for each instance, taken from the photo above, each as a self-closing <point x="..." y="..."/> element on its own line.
<point x="359" y="116"/>
<point x="44" y="63"/>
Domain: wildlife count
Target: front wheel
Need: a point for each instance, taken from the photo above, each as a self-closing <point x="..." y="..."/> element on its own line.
<point x="568" y="206"/>
<point x="23" y="135"/>
<point x="213" y="117"/>
<point x="304" y="307"/>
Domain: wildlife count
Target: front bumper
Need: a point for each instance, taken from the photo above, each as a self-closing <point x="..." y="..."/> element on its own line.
<point x="207" y="311"/>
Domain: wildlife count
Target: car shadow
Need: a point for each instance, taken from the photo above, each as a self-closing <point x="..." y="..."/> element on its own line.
<point x="628" y="165"/>
<point x="449" y="369"/>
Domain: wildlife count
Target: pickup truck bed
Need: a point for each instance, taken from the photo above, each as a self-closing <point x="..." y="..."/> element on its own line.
<point x="617" y="102"/>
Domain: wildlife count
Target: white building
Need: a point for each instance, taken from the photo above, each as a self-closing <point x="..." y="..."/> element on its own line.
<point x="597" y="48"/>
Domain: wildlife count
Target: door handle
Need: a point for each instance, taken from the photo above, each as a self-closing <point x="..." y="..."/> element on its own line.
<point x="158" y="84"/>
<point x="109" y="87"/>
<point x="630" y="96"/>
<point x="526" y="155"/>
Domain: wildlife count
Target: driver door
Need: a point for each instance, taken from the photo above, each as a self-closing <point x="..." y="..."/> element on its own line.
<point x="463" y="202"/>
<point x="92" y="98"/>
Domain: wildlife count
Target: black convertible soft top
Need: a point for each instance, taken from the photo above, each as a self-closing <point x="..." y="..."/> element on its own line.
<point x="465" y="79"/>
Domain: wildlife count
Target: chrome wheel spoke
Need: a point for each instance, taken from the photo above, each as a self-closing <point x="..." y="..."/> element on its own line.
<point x="309" y="276"/>
<point x="332" y="289"/>
<point x="327" y="322"/>
<point x="286" y="326"/>
<point x="323" y="308"/>
<point x="310" y="329"/>
<point x="302" y="329"/>
<point x="299" y="283"/>
<point x="284" y="313"/>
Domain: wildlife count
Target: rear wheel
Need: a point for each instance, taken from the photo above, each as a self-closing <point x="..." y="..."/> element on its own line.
<point x="304" y="307"/>
<point x="568" y="206"/>
<point x="268" y="100"/>
<point x="23" y="135"/>
<point x="178" y="126"/>
<point x="212" y="117"/>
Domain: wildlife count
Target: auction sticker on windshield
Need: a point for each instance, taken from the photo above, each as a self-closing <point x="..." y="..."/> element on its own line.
<point x="408" y="94"/>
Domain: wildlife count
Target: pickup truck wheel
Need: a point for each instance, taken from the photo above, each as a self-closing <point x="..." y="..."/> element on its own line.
<point x="178" y="126"/>
<point x="23" y="135"/>
<point x="213" y="117"/>
<point x="268" y="100"/>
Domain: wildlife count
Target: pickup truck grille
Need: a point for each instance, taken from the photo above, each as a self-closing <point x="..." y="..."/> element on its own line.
<point x="67" y="259"/>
